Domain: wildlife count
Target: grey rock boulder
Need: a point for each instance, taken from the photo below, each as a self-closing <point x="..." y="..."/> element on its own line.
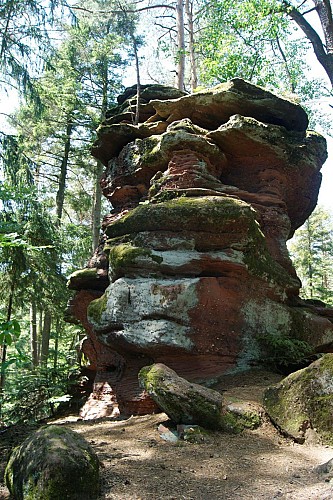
<point x="303" y="401"/>
<point x="54" y="463"/>
<point x="189" y="403"/>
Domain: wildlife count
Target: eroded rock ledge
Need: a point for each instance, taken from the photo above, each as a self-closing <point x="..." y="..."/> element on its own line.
<point x="205" y="191"/>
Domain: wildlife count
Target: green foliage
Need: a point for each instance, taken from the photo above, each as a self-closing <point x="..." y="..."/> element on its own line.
<point x="34" y="395"/>
<point x="249" y="39"/>
<point x="312" y="253"/>
<point x="281" y="352"/>
<point x="31" y="393"/>
<point x="25" y="40"/>
<point x="9" y="331"/>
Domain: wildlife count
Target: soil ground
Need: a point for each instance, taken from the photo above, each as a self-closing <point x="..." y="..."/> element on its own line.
<point x="137" y="464"/>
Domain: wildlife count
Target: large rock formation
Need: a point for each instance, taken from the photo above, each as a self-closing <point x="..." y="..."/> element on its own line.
<point x="205" y="191"/>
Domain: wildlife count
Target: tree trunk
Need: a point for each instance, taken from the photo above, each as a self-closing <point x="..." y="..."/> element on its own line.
<point x="33" y="334"/>
<point x="4" y="34"/>
<point x="138" y="84"/>
<point x="40" y="332"/>
<point x="180" y="44"/>
<point x="324" y="11"/>
<point x="310" y="258"/>
<point x="63" y="170"/>
<point x="46" y="338"/>
<point x="97" y="206"/>
<point x="97" y="203"/>
<point x="190" y="23"/>
<point x="323" y="54"/>
<point x="4" y="345"/>
<point x="56" y="345"/>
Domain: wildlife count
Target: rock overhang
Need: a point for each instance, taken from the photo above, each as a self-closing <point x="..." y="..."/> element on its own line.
<point x="205" y="191"/>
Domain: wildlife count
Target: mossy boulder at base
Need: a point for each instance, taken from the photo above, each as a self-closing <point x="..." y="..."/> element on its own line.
<point x="188" y="403"/>
<point x="54" y="463"/>
<point x="303" y="401"/>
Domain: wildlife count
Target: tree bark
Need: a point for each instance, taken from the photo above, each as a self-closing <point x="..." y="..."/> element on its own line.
<point x="325" y="15"/>
<point x="46" y="338"/>
<point x="138" y="84"/>
<point x="180" y="45"/>
<point x="97" y="206"/>
<point x="4" y="345"/>
<point x="190" y="23"/>
<point x="56" y="345"/>
<point x="63" y="170"/>
<point x="324" y="57"/>
<point x="33" y="334"/>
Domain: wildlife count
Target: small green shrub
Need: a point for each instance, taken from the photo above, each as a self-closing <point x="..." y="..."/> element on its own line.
<point x="281" y="352"/>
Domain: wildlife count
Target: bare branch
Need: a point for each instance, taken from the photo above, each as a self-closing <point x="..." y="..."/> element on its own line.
<point x="128" y="11"/>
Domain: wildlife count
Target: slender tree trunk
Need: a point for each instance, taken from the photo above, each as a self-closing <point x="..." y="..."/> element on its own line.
<point x="63" y="170"/>
<point x="56" y="345"/>
<point x="138" y="83"/>
<point x="97" y="203"/>
<point x="310" y="257"/>
<point x="33" y="334"/>
<point x="190" y="23"/>
<point x="40" y="331"/>
<point x="286" y="65"/>
<point x="180" y="44"/>
<point x="97" y="206"/>
<point x="46" y="338"/>
<point x="323" y="53"/>
<point x="4" y="345"/>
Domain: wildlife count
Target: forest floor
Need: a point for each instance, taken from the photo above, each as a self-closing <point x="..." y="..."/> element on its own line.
<point x="136" y="463"/>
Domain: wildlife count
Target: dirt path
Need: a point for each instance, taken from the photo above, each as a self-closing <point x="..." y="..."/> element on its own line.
<point x="261" y="464"/>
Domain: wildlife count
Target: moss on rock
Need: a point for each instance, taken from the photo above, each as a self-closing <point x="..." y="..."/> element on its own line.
<point x="96" y="309"/>
<point x="304" y="400"/>
<point x="54" y="463"/>
<point x="239" y="416"/>
<point x="188" y="403"/>
<point x="124" y="256"/>
<point x="209" y="214"/>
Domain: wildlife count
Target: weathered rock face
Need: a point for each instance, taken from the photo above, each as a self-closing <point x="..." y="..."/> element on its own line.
<point x="205" y="190"/>
<point x="53" y="463"/>
<point x="303" y="401"/>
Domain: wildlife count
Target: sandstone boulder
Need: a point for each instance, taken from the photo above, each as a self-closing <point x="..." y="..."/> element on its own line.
<point x="188" y="403"/>
<point x="54" y="463"/>
<point x="304" y="401"/>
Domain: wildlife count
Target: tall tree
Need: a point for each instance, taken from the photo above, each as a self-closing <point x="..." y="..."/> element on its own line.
<point x="312" y="253"/>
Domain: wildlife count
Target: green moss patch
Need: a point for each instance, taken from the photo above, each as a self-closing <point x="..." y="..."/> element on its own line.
<point x="124" y="256"/>
<point x="208" y="214"/>
<point x="304" y="400"/>
<point x="96" y="308"/>
<point x="54" y="463"/>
